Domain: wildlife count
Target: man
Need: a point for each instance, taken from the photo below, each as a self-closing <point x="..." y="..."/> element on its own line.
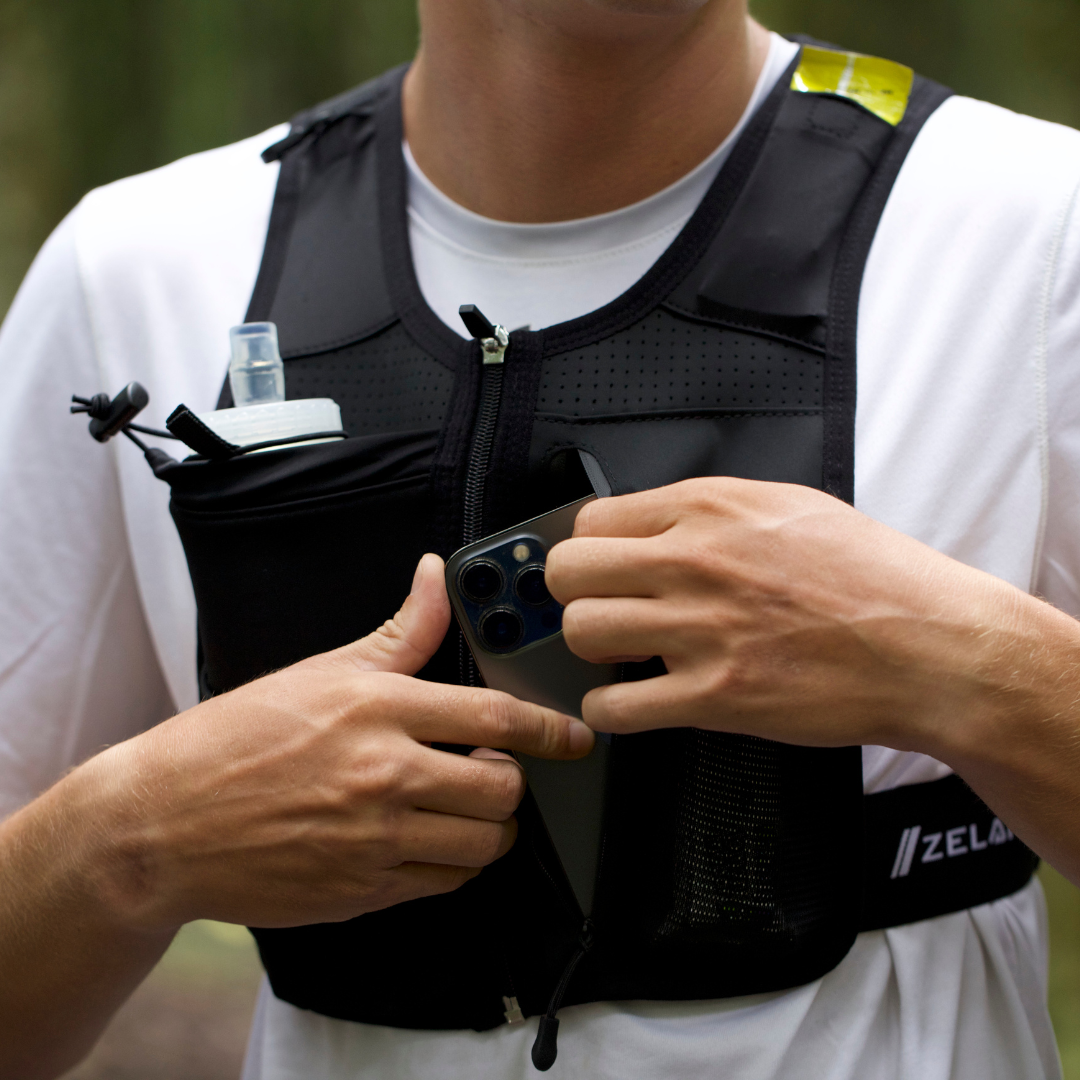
<point x="554" y="151"/>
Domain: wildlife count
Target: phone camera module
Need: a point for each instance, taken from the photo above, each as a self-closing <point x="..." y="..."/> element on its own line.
<point x="481" y="581"/>
<point x="531" y="587"/>
<point x="501" y="629"/>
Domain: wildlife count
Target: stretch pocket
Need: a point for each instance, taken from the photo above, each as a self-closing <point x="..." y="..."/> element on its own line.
<point x="300" y="550"/>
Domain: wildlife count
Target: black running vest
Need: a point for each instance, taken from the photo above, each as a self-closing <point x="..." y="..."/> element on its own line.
<point x="731" y="865"/>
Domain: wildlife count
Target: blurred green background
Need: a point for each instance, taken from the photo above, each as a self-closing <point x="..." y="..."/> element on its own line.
<point x="91" y="90"/>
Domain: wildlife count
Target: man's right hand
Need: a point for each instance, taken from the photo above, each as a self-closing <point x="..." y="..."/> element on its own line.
<point x="312" y="795"/>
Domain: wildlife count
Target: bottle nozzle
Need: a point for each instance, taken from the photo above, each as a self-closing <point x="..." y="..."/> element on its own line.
<point x="256" y="372"/>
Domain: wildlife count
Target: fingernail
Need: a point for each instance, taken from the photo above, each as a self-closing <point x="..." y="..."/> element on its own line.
<point x="581" y="737"/>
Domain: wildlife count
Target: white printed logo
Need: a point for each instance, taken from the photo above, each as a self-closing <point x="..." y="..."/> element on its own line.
<point x="962" y="840"/>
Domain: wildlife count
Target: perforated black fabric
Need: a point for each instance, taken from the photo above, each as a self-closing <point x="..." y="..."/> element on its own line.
<point x="667" y="363"/>
<point x="385" y="383"/>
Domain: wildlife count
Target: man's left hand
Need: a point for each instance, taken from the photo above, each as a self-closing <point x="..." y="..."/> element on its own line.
<point x="778" y="611"/>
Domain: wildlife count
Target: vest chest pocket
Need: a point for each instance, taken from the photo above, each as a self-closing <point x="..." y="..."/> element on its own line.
<point x="302" y="550"/>
<point x="674" y="398"/>
<point x="753" y="846"/>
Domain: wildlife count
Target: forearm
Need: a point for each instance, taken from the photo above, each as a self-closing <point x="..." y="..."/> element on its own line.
<point x="1016" y="737"/>
<point x="68" y="957"/>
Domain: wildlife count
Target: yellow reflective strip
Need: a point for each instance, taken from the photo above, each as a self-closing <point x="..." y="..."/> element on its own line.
<point x="881" y="86"/>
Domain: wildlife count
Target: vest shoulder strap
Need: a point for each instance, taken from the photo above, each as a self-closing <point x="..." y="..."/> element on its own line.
<point x="361" y="101"/>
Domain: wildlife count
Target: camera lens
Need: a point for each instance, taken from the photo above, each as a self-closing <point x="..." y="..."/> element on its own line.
<point x="501" y="629"/>
<point x="481" y="580"/>
<point x="531" y="586"/>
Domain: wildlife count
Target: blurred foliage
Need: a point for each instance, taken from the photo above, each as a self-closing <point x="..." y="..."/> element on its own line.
<point x="91" y="90"/>
<point x="190" y="1019"/>
<point x="1018" y="53"/>
<point x="1063" y="901"/>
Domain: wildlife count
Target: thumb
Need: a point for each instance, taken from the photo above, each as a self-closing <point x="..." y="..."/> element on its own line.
<point x="405" y="643"/>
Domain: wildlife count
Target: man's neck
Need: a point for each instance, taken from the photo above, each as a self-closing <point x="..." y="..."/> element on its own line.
<point x="550" y="110"/>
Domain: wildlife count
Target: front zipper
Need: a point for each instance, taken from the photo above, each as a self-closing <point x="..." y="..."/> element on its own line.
<point x="494" y="341"/>
<point x="493" y="350"/>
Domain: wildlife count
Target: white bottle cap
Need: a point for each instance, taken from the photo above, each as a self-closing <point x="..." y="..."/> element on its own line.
<point x="249" y="424"/>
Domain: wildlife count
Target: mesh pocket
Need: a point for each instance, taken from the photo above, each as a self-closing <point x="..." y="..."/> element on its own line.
<point x="731" y="864"/>
<point x="726" y="837"/>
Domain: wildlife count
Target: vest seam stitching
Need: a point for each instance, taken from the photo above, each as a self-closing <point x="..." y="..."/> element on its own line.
<point x="339" y="343"/>
<point x="713" y="320"/>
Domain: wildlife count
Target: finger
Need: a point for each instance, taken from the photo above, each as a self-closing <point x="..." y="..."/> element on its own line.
<point x="405" y="643"/>
<point x="445" y="840"/>
<point x="647" y="705"/>
<point x="601" y="630"/>
<point x="653" y="512"/>
<point x="675" y="700"/>
<point x="410" y="881"/>
<point x="645" y="513"/>
<point x="477" y="786"/>
<point x="607" y="567"/>
<point x="435" y="712"/>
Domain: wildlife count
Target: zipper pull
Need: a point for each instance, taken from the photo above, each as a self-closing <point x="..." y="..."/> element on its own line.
<point x="495" y="347"/>
<point x="546" y="1047"/>
<point x="494" y="339"/>
<point x="513" y="1012"/>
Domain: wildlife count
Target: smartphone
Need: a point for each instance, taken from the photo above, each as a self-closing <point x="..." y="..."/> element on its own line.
<point x="513" y="626"/>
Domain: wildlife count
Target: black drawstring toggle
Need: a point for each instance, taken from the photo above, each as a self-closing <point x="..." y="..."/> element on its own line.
<point x="114" y="416"/>
<point x="109" y="416"/>
<point x="546" y="1047"/>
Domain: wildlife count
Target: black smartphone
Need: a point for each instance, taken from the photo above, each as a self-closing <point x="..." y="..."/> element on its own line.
<point x="513" y="626"/>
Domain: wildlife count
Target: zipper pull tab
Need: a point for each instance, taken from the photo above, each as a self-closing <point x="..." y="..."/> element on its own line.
<point x="513" y="1012"/>
<point x="546" y="1047"/>
<point x="495" y="347"/>
<point x="493" y="338"/>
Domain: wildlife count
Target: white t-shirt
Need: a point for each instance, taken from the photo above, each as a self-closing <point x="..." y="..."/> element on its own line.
<point x="968" y="437"/>
<point x="540" y="275"/>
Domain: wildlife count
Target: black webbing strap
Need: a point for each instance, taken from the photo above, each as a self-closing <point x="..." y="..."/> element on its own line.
<point x="189" y="429"/>
<point x="936" y="848"/>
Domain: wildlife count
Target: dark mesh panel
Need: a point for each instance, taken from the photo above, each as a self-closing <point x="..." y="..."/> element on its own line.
<point x="667" y="363"/>
<point x="386" y="383"/>
<point x="754" y="840"/>
<point x="731" y="856"/>
<point x="728" y="823"/>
